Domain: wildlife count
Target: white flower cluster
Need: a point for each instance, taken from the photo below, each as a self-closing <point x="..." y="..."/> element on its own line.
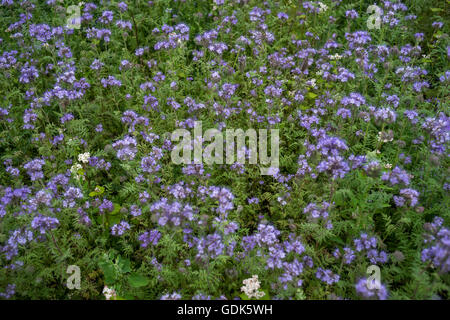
<point x="336" y="56"/>
<point x="322" y="7"/>
<point x="251" y="286"/>
<point x="384" y="138"/>
<point x="109" y="293"/>
<point x="74" y="169"/>
<point x="84" y="157"/>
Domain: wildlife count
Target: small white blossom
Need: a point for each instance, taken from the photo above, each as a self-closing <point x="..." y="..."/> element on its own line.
<point x="109" y="293"/>
<point x="74" y="169"/>
<point x="84" y="157"/>
<point x="251" y="286"/>
<point x="322" y="7"/>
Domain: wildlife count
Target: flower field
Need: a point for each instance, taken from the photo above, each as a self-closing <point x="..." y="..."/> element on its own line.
<point x="354" y="203"/>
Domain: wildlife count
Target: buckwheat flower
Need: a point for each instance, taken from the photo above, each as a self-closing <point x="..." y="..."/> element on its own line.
<point x="322" y="7"/>
<point x="251" y="287"/>
<point x="84" y="157"/>
<point x="120" y="228"/>
<point x="377" y="292"/>
<point x="109" y="293"/>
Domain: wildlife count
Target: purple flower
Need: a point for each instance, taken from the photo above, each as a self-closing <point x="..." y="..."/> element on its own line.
<point x="365" y="243"/>
<point x="327" y="276"/>
<point x="438" y="250"/>
<point x="376" y="291"/>
<point x="70" y="196"/>
<point x="397" y="176"/>
<point x="44" y="223"/>
<point x="126" y="148"/>
<point x="34" y="169"/>
<point x="149" y="238"/>
<point x="172" y="296"/>
<point x="120" y="228"/>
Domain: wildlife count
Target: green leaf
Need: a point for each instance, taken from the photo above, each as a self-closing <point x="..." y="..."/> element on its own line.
<point x="124" y="264"/>
<point x="312" y="95"/>
<point x="108" y="271"/>
<point x="116" y="209"/>
<point x="136" y="280"/>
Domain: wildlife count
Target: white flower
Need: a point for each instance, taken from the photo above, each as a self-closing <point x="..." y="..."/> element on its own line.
<point x="251" y="286"/>
<point x="74" y="169"/>
<point x="109" y="293"/>
<point x="322" y="7"/>
<point x="336" y="56"/>
<point x="84" y="157"/>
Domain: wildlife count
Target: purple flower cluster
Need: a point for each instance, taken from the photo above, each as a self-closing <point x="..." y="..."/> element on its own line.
<point x="120" y="228"/>
<point x="377" y="292"/>
<point x="149" y="238"/>
<point x="172" y="212"/>
<point x="44" y="223"/>
<point x="438" y="241"/>
<point x="407" y="196"/>
<point x="171" y="37"/>
<point x="34" y="169"/>
<point x="126" y="148"/>
<point x="316" y="212"/>
<point x="327" y="276"/>
<point x="396" y="176"/>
